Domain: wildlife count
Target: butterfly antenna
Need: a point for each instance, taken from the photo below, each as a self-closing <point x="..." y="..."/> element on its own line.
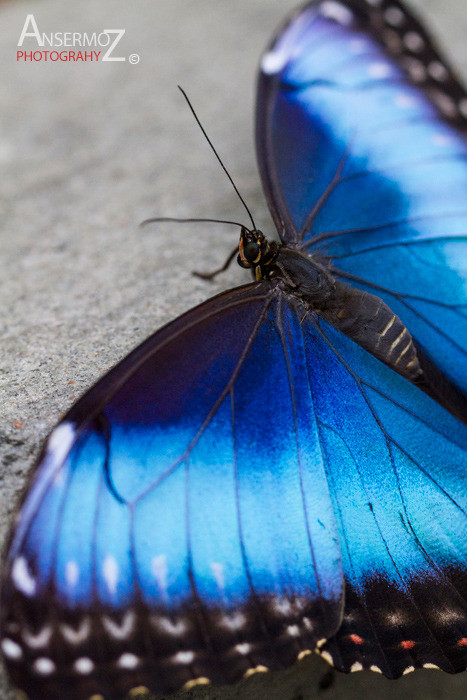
<point x="217" y="155"/>
<point x="158" y="219"/>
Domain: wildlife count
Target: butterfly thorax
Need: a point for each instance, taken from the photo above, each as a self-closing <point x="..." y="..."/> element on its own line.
<point x="304" y="275"/>
<point x="363" y="317"/>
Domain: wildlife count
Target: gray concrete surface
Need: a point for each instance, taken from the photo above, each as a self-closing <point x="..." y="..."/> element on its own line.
<point x="86" y="152"/>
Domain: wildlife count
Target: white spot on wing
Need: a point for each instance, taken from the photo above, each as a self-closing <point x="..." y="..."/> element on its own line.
<point x="437" y="70"/>
<point x="39" y="640"/>
<point x="274" y="61"/>
<point x="379" y="70"/>
<point x="394" y="16"/>
<point x="11" y="649"/>
<point x="293" y="630"/>
<point x="416" y="69"/>
<point x="446" y="104"/>
<point x="334" y="10"/>
<point x="173" y="628"/>
<point x="404" y="101"/>
<point x="243" y="648"/>
<point x="60" y="441"/>
<point x="409" y="669"/>
<point x="376" y="669"/>
<point x="77" y="636"/>
<point x="414" y="41"/>
<point x="184" y="657"/>
<point x="128" y="661"/>
<point x="395" y="618"/>
<point x="449" y="616"/>
<point x="83" y="666"/>
<point x="282" y="606"/>
<point x="44" y="666"/>
<point x="71" y="573"/>
<point x="431" y="666"/>
<point x="357" y="666"/>
<point x="160" y="571"/>
<point x="22" y="577"/>
<point x="233" y="622"/>
<point x="123" y="630"/>
<point x="110" y="571"/>
<point x="218" y="571"/>
<point x="287" y="47"/>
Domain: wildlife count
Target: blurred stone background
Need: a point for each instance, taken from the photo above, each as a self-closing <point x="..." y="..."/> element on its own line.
<point x="87" y="151"/>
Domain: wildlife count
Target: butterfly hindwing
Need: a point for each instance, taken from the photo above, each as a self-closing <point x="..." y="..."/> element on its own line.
<point x="361" y="146"/>
<point x="395" y="466"/>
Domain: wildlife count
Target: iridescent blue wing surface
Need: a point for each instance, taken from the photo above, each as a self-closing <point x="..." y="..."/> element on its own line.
<point x="194" y="515"/>
<point x="361" y="146"/>
<point x="179" y="525"/>
<point x="401" y="505"/>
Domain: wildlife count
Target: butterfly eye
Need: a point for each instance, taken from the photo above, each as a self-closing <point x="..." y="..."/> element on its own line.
<point x="252" y="252"/>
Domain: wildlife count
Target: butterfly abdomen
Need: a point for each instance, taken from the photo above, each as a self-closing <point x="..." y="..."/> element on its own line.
<point x="363" y="317"/>
<point x="367" y="320"/>
<point x="370" y="322"/>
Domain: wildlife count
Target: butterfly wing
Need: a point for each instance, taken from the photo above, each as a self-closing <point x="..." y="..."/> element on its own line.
<point x="188" y="517"/>
<point x="362" y="151"/>
<point x="179" y="525"/>
<point x="399" y="488"/>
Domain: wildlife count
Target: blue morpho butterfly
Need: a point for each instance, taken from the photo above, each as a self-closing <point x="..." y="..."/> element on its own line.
<point x="283" y="467"/>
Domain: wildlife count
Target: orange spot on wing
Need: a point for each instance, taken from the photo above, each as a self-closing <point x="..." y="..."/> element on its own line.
<point x="18" y="424"/>
<point x="356" y="639"/>
<point x="462" y="642"/>
<point x="408" y="644"/>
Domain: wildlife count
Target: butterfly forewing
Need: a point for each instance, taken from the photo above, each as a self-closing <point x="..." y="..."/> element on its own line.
<point x="173" y="533"/>
<point x="364" y="160"/>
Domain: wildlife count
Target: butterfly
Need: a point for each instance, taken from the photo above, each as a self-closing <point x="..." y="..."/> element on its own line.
<point x="282" y="468"/>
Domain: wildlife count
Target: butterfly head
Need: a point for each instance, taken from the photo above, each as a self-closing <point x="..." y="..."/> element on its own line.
<point x="256" y="252"/>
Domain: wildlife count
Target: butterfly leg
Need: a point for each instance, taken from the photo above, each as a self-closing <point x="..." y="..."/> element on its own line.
<point x="211" y="275"/>
<point x="291" y="284"/>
